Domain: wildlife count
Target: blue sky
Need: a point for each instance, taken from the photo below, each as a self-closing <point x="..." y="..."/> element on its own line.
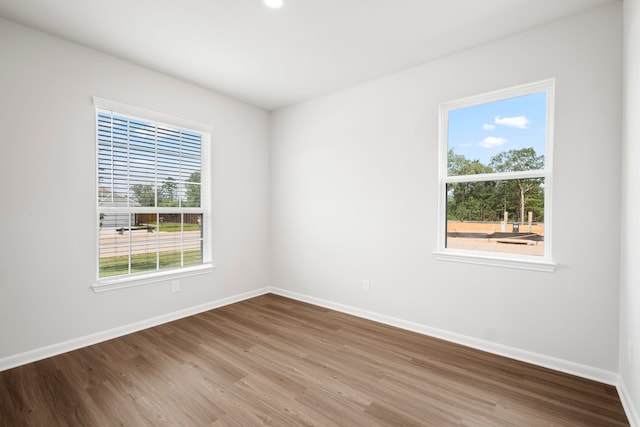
<point x="482" y="131"/>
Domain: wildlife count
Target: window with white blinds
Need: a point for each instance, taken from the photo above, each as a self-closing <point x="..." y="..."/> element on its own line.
<point x="152" y="204"/>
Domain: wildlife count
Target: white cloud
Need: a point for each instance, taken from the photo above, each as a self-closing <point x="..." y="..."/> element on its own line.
<point x="492" y="141"/>
<point x="520" y="122"/>
<point x="488" y="127"/>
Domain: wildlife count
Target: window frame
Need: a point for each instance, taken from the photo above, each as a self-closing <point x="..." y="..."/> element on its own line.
<point x="142" y="278"/>
<point x="498" y="259"/>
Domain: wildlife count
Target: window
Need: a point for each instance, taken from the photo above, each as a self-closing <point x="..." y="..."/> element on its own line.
<point x="152" y="189"/>
<point x="496" y="176"/>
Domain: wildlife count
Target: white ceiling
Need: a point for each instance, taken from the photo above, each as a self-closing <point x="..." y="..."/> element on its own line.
<point x="274" y="58"/>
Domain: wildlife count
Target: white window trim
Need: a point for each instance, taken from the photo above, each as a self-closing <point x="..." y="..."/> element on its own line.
<point x="139" y="279"/>
<point x="498" y="259"/>
<point x="120" y="282"/>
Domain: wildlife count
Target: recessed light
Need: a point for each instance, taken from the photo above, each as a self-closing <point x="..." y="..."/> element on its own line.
<point x="274" y="4"/>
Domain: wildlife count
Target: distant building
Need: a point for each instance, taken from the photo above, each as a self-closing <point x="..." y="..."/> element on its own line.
<point x="108" y="198"/>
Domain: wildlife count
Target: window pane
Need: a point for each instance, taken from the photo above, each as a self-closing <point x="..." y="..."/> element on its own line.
<point x="170" y="240"/>
<point x="496" y="216"/>
<point x="105" y="173"/>
<point x="191" y="144"/>
<point x="193" y="252"/>
<point x="142" y="176"/>
<point x="168" y="140"/>
<point x="170" y="223"/>
<point x="170" y="254"/>
<point x="168" y="166"/>
<point x="190" y="169"/>
<point x="112" y="228"/>
<point x="144" y="257"/>
<point x="502" y="136"/>
<point x="193" y="239"/>
<point x="169" y="193"/>
<point x="142" y="193"/>
<point x="178" y="233"/>
<point x="192" y="226"/>
<point x="191" y="197"/>
<point x="114" y="260"/>
<point x="144" y="228"/>
<point x="144" y="241"/>
<point x="120" y="129"/>
<point x="142" y="135"/>
<point x="114" y="244"/>
<point x="142" y="165"/>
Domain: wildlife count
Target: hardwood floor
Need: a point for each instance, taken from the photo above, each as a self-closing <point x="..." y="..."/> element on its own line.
<point x="274" y="361"/>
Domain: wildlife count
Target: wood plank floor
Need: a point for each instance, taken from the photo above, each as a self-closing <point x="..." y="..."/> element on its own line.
<point x="274" y="361"/>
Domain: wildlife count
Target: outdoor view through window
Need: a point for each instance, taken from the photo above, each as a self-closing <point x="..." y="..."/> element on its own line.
<point x="149" y="198"/>
<point x="495" y="174"/>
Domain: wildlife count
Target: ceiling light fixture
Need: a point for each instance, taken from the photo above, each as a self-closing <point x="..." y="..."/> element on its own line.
<point x="274" y="4"/>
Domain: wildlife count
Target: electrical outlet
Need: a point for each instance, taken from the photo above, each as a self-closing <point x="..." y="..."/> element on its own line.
<point x="366" y="286"/>
<point x="175" y="286"/>
<point x="629" y="351"/>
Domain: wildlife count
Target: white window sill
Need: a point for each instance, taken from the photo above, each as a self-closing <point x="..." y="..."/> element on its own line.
<point x="494" y="261"/>
<point x="103" y="285"/>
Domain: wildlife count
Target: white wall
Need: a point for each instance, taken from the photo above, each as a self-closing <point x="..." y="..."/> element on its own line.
<point x="47" y="176"/>
<point x="630" y="249"/>
<point x="354" y="191"/>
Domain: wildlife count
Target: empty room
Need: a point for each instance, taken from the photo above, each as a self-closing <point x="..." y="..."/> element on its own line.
<point x="328" y="213"/>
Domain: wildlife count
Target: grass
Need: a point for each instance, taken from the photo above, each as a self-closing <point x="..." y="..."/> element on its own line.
<point x="172" y="226"/>
<point x="112" y="266"/>
<point x="175" y="226"/>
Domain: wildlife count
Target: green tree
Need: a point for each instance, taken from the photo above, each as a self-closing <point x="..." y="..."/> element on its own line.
<point x="524" y="159"/>
<point x="469" y="201"/>
<point x="143" y="194"/>
<point x="168" y="193"/>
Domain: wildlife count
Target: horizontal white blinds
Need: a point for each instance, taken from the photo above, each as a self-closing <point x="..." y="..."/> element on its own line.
<point x="144" y="164"/>
<point x="151" y="214"/>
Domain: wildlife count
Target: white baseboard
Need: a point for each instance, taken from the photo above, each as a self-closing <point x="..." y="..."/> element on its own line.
<point x="550" y="362"/>
<point x="76" y="343"/>
<point x="627" y="404"/>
